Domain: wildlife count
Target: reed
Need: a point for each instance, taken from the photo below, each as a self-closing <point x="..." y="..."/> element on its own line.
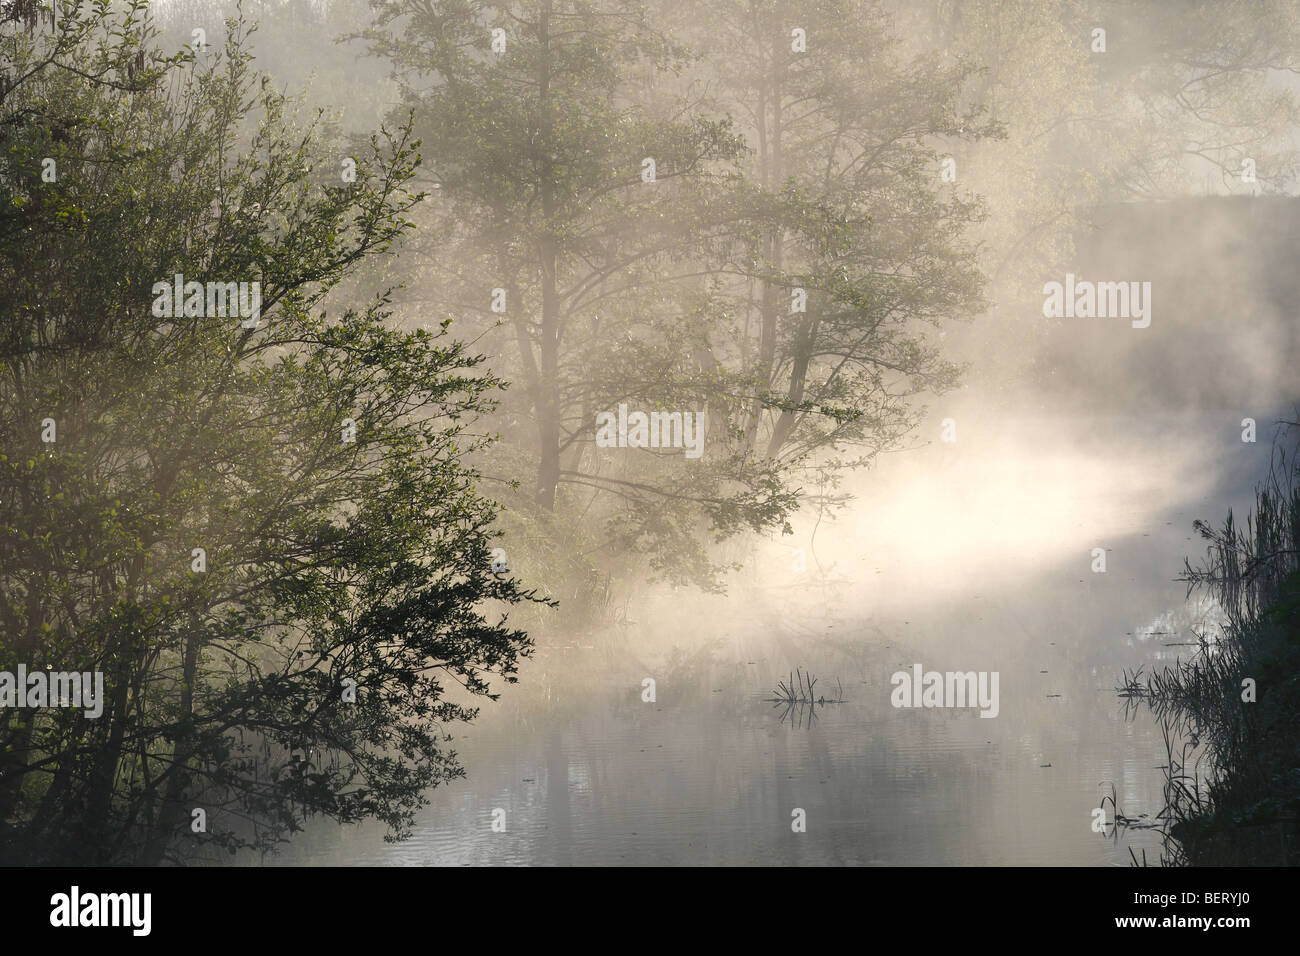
<point x="799" y="699"/>
<point x="1232" y="789"/>
<point x="799" y="690"/>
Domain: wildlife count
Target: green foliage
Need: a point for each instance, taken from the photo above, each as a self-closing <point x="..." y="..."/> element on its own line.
<point x="674" y="295"/>
<point x="326" y="559"/>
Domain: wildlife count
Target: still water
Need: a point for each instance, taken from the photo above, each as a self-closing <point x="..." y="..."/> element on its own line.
<point x="979" y="559"/>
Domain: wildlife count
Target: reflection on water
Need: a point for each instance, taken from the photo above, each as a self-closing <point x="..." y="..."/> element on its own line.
<point x="798" y="701"/>
<point x="978" y="560"/>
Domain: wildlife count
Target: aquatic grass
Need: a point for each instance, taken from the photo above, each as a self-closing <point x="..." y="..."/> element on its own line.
<point x="1124" y="822"/>
<point x="799" y="690"/>
<point x="799" y="698"/>
<point x="1232" y="789"/>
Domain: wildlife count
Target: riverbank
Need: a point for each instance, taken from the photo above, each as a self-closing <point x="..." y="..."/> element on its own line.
<point x="1233" y="780"/>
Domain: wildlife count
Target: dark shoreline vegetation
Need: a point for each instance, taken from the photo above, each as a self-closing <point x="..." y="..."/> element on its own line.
<point x="265" y="534"/>
<point x="1232" y="789"/>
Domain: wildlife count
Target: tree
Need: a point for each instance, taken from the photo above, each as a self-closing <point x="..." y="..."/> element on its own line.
<point x="671" y="294"/>
<point x="854" y="249"/>
<point x="256" y="526"/>
<point x="544" y="158"/>
<point x="565" y="192"/>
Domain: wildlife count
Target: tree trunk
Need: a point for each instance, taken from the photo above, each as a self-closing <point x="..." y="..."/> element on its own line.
<point x="548" y="410"/>
<point x="773" y="251"/>
<point x="805" y="336"/>
<point x="171" y="813"/>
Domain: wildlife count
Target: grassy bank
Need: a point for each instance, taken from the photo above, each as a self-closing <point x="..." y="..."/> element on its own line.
<point x="1230" y="713"/>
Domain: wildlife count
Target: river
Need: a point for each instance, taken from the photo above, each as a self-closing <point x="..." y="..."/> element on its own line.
<point x="970" y="556"/>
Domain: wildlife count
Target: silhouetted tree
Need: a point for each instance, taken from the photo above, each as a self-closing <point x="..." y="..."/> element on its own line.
<point x="257" y="527"/>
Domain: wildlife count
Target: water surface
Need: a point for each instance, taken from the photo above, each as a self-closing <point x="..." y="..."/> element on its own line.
<point x="973" y="556"/>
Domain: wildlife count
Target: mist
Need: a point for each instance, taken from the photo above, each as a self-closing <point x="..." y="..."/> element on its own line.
<point x="642" y="402"/>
